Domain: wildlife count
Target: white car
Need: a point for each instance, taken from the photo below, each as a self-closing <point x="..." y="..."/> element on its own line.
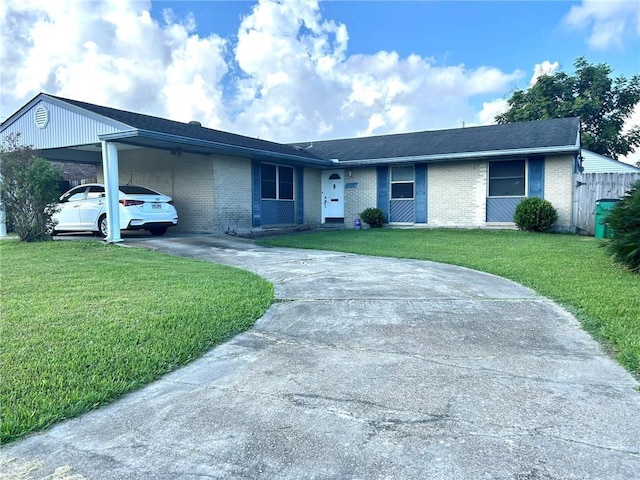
<point x="83" y="209"/>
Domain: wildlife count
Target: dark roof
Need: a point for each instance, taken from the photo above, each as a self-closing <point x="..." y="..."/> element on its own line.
<point x="522" y="138"/>
<point x="561" y="132"/>
<point x="171" y="127"/>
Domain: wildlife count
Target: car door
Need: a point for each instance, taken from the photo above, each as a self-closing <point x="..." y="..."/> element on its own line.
<point x="92" y="206"/>
<point x="68" y="215"/>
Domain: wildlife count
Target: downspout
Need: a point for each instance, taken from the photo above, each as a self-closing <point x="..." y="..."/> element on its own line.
<point x="577" y="168"/>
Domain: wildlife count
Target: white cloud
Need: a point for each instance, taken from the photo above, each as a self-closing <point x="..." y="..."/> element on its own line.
<point x="319" y="85"/>
<point x="111" y="53"/>
<point x="492" y="109"/>
<point x="610" y="22"/>
<point x="544" y="68"/>
<point x="286" y="77"/>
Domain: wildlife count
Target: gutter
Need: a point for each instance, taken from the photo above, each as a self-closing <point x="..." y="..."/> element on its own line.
<point x="221" y="147"/>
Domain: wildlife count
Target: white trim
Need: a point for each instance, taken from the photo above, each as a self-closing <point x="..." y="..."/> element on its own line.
<point x="464" y="155"/>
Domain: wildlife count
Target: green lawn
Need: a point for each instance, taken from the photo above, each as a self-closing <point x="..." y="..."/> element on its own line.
<point x="82" y="323"/>
<point x="569" y="269"/>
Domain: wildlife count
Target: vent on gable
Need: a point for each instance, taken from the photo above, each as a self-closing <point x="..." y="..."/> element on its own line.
<point x="41" y="117"/>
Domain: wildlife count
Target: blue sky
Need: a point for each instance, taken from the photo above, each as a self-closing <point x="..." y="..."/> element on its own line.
<point x="294" y="70"/>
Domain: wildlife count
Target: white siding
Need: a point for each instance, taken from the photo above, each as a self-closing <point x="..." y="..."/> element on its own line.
<point x="64" y="128"/>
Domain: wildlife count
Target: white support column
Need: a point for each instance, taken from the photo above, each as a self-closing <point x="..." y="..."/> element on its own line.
<point x="111" y="184"/>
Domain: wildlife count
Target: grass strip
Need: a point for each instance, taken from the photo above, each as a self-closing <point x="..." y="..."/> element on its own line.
<point x="83" y="323"/>
<point x="569" y="269"/>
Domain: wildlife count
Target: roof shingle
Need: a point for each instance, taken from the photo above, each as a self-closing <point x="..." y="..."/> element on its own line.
<point x="172" y="127"/>
<point x="560" y="132"/>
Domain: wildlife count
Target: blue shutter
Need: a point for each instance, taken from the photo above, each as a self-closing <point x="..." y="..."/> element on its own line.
<point x="300" y="195"/>
<point x="383" y="191"/>
<point x="255" y="193"/>
<point x="420" y="172"/>
<point x="536" y="177"/>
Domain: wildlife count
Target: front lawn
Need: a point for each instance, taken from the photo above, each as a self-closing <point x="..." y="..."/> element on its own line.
<point x="83" y="323"/>
<point x="569" y="269"/>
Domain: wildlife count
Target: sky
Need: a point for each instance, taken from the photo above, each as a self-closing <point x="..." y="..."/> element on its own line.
<point x="299" y="70"/>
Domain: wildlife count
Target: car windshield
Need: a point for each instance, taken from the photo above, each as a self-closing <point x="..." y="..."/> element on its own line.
<point x="134" y="190"/>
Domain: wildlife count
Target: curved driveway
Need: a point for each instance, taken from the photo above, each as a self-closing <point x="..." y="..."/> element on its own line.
<point x="365" y="368"/>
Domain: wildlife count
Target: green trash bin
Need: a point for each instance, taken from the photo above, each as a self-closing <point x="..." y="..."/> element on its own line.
<point x="603" y="207"/>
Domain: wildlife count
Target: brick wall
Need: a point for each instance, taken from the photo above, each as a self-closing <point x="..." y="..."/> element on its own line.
<point x="232" y="199"/>
<point x="457" y="194"/>
<point x="558" y="188"/>
<point x="362" y="196"/>
<point x="312" y="196"/>
<point x="210" y="193"/>
<point x="188" y="179"/>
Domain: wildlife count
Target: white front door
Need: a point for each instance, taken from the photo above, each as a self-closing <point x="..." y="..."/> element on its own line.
<point x="332" y="195"/>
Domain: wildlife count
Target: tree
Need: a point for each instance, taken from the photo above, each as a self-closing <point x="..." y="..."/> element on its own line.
<point x="602" y="104"/>
<point x="29" y="186"/>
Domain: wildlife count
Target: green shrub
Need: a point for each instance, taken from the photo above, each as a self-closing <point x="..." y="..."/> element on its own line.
<point x="28" y="189"/>
<point x="535" y="215"/>
<point x="624" y="221"/>
<point x="373" y="216"/>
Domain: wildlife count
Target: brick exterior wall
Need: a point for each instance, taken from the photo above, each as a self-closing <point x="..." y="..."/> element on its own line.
<point x="210" y="193"/>
<point x="558" y="188"/>
<point x="456" y="194"/>
<point x="232" y="193"/>
<point x="359" y="198"/>
<point x="213" y="193"/>
<point x="312" y="185"/>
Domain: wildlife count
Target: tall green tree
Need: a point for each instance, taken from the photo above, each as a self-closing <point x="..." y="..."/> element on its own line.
<point x="602" y="103"/>
<point x="29" y="186"/>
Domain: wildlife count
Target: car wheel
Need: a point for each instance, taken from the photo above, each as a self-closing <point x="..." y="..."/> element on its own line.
<point x="156" y="232"/>
<point x="103" y="226"/>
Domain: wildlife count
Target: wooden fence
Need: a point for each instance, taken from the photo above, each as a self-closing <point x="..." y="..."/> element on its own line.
<point x="590" y="187"/>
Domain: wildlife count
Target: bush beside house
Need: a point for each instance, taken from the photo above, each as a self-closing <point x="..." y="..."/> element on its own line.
<point x="624" y="221"/>
<point x="535" y="215"/>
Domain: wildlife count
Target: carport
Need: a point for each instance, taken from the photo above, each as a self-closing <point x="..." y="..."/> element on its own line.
<point x="72" y="131"/>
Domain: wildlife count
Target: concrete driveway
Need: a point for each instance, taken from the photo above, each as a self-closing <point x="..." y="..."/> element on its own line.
<point x="364" y="368"/>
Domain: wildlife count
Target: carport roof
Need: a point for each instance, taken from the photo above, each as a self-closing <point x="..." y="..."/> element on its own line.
<point x="154" y="132"/>
<point x="156" y="127"/>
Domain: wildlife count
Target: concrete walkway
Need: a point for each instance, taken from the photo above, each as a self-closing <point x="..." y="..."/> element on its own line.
<point x="365" y="368"/>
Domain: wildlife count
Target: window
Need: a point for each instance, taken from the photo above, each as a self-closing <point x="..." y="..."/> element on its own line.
<point x="401" y="183"/>
<point x="136" y="190"/>
<point x="95" y="192"/>
<point x="285" y="183"/>
<point x="507" y="179"/>
<point x="74" y="195"/>
<point x="268" y="176"/>
<point x="276" y="182"/>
